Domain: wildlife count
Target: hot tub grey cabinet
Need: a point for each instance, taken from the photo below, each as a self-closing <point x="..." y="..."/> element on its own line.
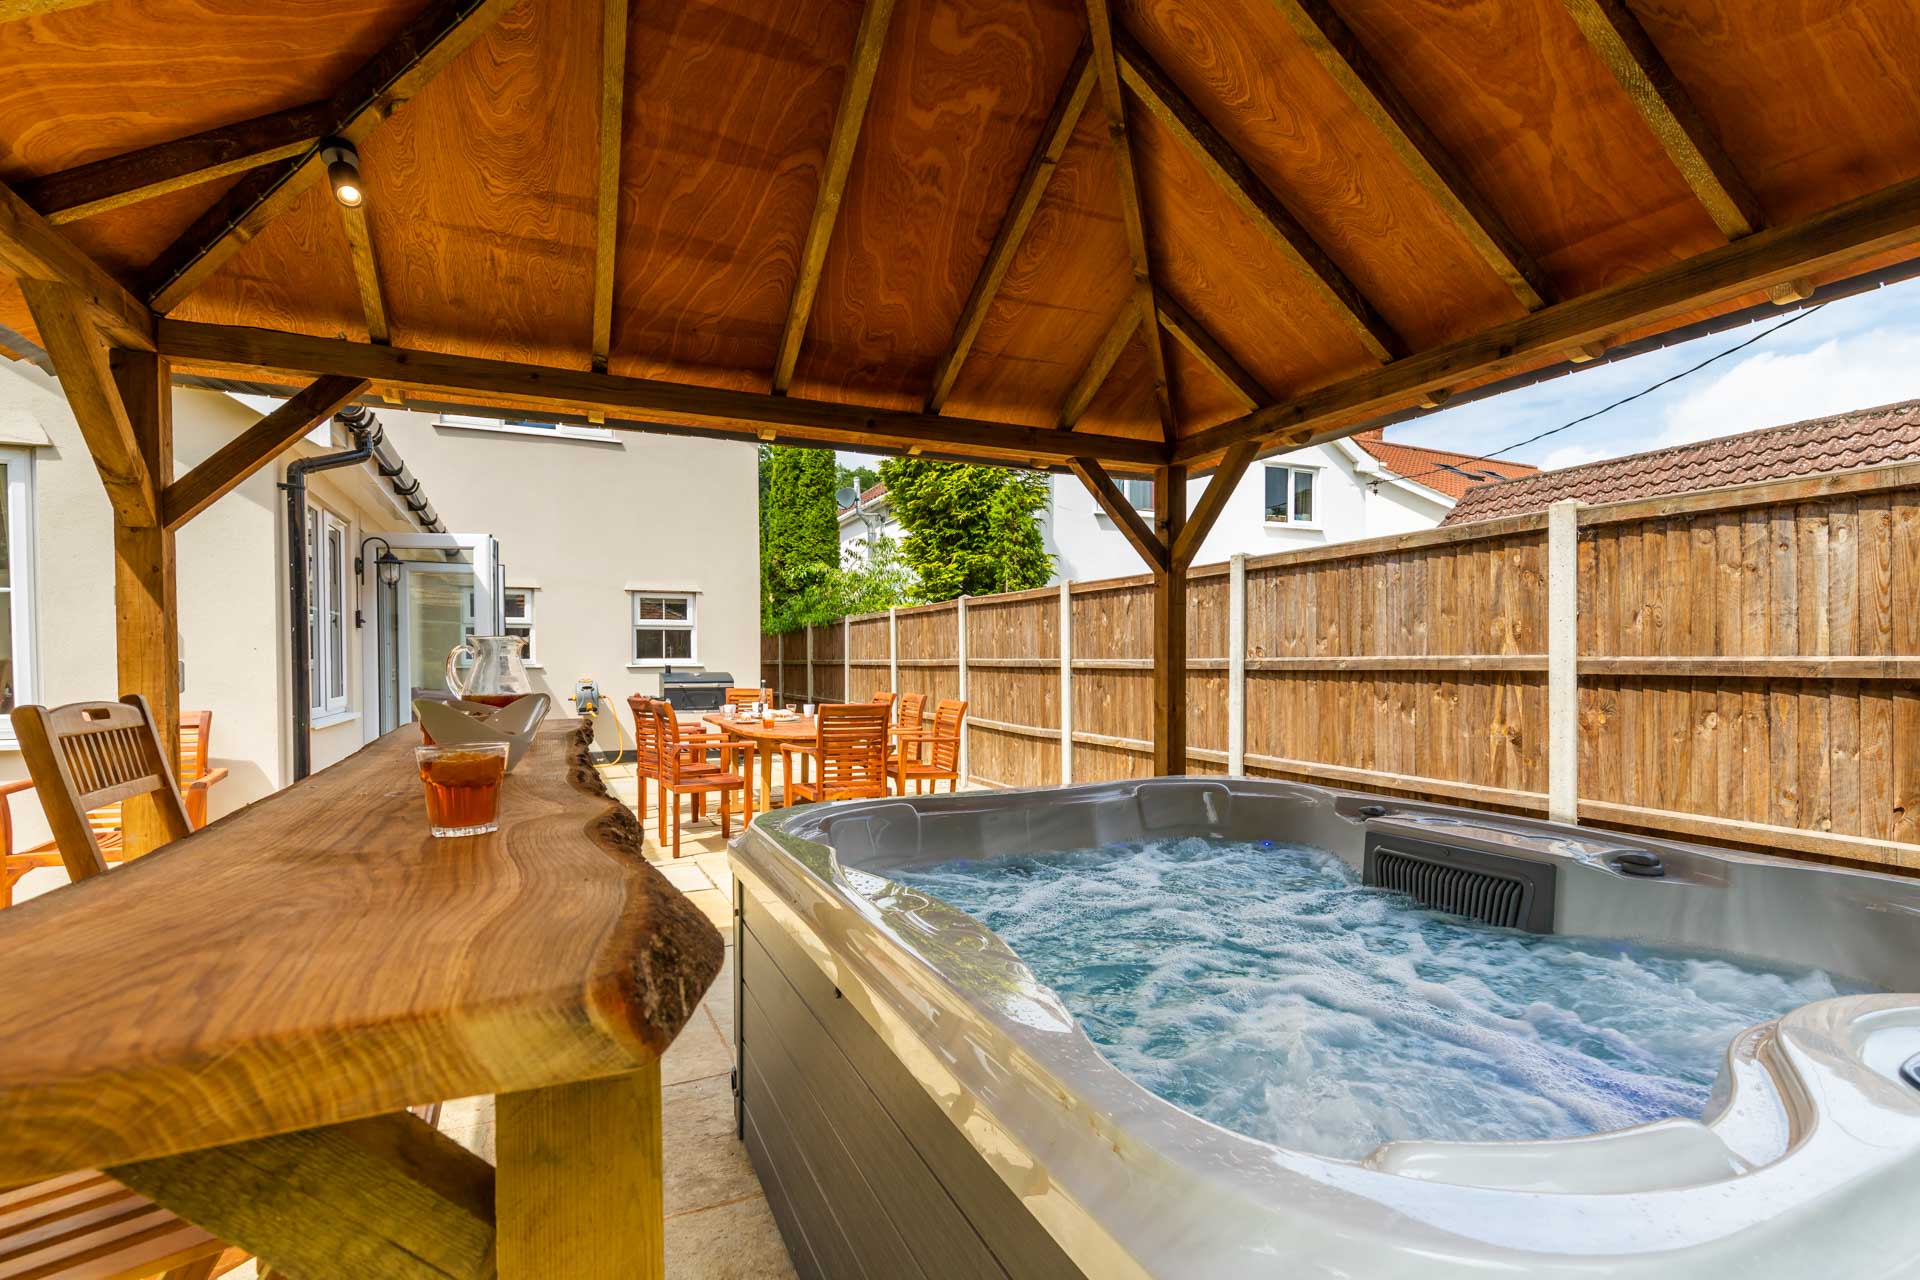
<point x="866" y="1176"/>
<point x="918" y="1103"/>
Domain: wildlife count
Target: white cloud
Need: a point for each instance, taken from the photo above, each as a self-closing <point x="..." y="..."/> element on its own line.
<point x="1574" y="455"/>
<point x="1770" y="389"/>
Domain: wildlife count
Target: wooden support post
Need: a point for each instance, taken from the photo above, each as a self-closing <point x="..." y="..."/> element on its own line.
<point x="1169" y="626"/>
<point x="1563" y="657"/>
<point x="579" y="1192"/>
<point x="960" y="649"/>
<point x="1066" y="683"/>
<point x="1237" y="664"/>
<point x="145" y="595"/>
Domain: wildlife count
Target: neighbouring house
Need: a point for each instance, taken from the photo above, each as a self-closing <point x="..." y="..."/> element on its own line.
<point x="1361" y="487"/>
<point x="1841" y="442"/>
<point x="570" y="536"/>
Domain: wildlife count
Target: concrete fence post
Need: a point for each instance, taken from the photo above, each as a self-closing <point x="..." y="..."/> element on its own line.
<point x="846" y="659"/>
<point x="1237" y="664"/>
<point x="893" y="650"/>
<point x="960" y="649"/>
<point x="809" y="696"/>
<point x="1066" y="683"/>
<point x="1563" y="662"/>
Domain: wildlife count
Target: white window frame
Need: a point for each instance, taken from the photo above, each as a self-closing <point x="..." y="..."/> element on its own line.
<point x="509" y="620"/>
<point x="328" y="590"/>
<point x="1129" y="486"/>
<point x="527" y="427"/>
<point x="635" y="624"/>
<point x="20" y="598"/>
<point x="1313" y="479"/>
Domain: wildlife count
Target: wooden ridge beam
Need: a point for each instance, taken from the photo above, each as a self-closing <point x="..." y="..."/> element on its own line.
<point x="622" y="397"/>
<point x="1629" y="52"/>
<point x="30" y="249"/>
<point x="366" y="272"/>
<point x="1200" y="521"/>
<point x="381" y="85"/>
<point x="1054" y="136"/>
<point x="1337" y="50"/>
<point x="118" y="181"/>
<point x="86" y="378"/>
<point x="1256" y="201"/>
<point x="1105" y="37"/>
<point x="606" y="209"/>
<point x="1205" y="348"/>
<point x="1099" y="365"/>
<point x="1876" y="223"/>
<point x="868" y="42"/>
<point x="1105" y="492"/>
<point x="230" y="464"/>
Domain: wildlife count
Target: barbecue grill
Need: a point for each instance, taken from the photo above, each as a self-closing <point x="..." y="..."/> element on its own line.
<point x="695" y="690"/>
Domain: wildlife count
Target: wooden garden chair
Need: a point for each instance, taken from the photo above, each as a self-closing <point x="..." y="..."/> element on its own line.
<point x="935" y="753"/>
<point x="848" y="754"/>
<point x="86" y="1226"/>
<point x="196" y="732"/>
<point x="913" y="707"/>
<point x="742" y="697"/>
<point x="684" y="767"/>
<point x="885" y="699"/>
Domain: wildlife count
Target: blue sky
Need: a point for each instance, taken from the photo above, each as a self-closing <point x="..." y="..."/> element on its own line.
<point x="1852" y="354"/>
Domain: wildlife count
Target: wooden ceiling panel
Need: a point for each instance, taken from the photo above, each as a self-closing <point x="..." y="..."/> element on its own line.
<point x="102" y="79"/>
<point x="963" y="91"/>
<point x="729" y="107"/>
<point x="295" y="276"/>
<point x="1217" y="265"/>
<point x="1250" y="75"/>
<point x="484" y="226"/>
<point x="1124" y="405"/>
<point x="1517" y="96"/>
<point x="125" y="240"/>
<point x="1200" y="398"/>
<point x="1842" y="131"/>
<point x="1061" y="293"/>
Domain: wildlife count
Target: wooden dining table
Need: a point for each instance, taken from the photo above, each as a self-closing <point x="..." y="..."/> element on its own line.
<point x="235" y="1025"/>
<point x="768" y="738"/>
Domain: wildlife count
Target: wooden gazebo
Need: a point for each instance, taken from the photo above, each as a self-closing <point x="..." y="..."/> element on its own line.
<point x="1160" y="237"/>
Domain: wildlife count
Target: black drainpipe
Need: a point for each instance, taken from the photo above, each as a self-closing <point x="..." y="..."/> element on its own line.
<point x="296" y="487"/>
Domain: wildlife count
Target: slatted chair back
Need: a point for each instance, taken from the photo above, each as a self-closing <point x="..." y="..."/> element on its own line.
<point x="948" y="716"/>
<point x="196" y="730"/>
<point x="675" y="757"/>
<point x="87" y="755"/>
<point x="913" y="707"/>
<point x="741" y="697"/>
<point x="884" y="698"/>
<point x="850" y="743"/>
<point x="646" y="738"/>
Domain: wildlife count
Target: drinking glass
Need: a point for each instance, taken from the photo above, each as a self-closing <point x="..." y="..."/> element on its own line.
<point x="463" y="787"/>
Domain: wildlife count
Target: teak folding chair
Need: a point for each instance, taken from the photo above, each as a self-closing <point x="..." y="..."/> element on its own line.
<point x="82" y="756"/>
<point x="931" y="756"/>
<point x="848" y="753"/>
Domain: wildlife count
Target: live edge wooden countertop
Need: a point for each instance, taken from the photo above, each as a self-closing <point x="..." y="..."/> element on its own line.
<point x="317" y="957"/>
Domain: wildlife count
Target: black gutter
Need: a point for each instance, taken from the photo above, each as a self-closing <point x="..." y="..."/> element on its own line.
<point x="370" y="445"/>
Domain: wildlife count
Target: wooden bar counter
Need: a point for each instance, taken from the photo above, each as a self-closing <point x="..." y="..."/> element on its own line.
<point x="235" y="1024"/>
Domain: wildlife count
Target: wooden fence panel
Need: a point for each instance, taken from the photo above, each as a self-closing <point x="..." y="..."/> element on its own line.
<point x="769" y="673"/>
<point x="1013" y="688"/>
<point x="869" y="663"/>
<point x="793" y="670"/>
<point x="1112" y="679"/>
<point x="829" y="667"/>
<point x="929" y="658"/>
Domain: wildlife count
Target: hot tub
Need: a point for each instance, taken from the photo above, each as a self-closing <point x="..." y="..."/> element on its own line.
<point x="917" y="1101"/>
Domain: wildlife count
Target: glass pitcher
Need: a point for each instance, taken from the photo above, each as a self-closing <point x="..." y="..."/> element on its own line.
<point x="495" y="674"/>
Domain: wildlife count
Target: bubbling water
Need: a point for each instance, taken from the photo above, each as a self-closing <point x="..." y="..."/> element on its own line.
<point x="1262" y="987"/>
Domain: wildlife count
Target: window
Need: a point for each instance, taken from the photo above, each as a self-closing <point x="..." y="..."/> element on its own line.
<point x="1137" y="492"/>
<point x="16" y="586"/>
<point x="326" y="611"/>
<point x="1290" y="498"/>
<point x="662" y="627"/>
<point x="517" y="606"/>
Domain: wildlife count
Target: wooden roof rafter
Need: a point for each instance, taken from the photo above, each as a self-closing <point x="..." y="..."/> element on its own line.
<point x="435" y="37"/>
<point x="606" y="213"/>
<point x="1635" y="61"/>
<point x="1055" y="134"/>
<point x="1094" y="374"/>
<point x="30" y="249"/>
<point x="856" y="91"/>
<point x="1344" y="58"/>
<point x="1105" y="37"/>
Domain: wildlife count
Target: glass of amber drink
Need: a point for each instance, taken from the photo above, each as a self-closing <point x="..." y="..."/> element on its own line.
<point x="463" y="787"/>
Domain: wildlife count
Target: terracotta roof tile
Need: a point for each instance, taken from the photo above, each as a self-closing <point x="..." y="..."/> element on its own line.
<point x="1862" y="438"/>
<point x="1441" y="469"/>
